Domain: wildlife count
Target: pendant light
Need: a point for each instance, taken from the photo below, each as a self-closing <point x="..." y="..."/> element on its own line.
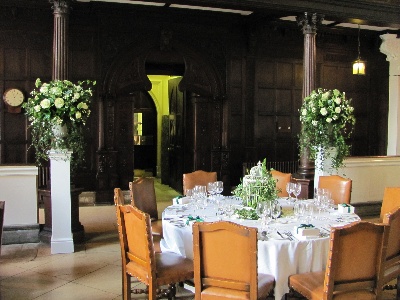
<point x="359" y="65"/>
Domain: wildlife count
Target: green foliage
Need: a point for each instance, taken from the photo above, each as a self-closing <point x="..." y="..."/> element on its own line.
<point x="246" y="213"/>
<point x="261" y="187"/>
<point x="59" y="102"/>
<point x="327" y="121"/>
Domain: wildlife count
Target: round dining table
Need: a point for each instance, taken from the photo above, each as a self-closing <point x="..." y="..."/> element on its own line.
<point x="282" y="251"/>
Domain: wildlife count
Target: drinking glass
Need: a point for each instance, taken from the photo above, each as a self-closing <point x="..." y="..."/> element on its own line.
<point x="298" y="210"/>
<point x="276" y="210"/>
<point x="296" y="189"/>
<point x="218" y="187"/>
<point x="309" y="211"/>
<point x="201" y="196"/>
<point x="289" y="190"/>
<point x="211" y="190"/>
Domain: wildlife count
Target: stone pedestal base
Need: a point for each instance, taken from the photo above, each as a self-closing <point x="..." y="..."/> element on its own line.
<point x="78" y="233"/>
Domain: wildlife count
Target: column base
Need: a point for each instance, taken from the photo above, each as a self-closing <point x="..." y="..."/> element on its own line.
<point x="59" y="246"/>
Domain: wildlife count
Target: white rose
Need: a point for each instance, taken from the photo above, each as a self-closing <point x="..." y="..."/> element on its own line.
<point x="337" y="110"/>
<point x="37" y="108"/>
<point x="323" y="111"/>
<point x="338" y="100"/>
<point x="325" y="95"/>
<point x="44" y="88"/>
<point x="328" y="120"/>
<point x="315" y="123"/>
<point x="45" y="103"/>
<point x="78" y="115"/>
<point x="335" y="117"/>
<point x="59" y="102"/>
<point x="77" y="96"/>
<point x="56" y="90"/>
<point x="313" y="110"/>
<point x="304" y="112"/>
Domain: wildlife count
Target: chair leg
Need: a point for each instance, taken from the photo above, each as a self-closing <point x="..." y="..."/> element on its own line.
<point x="398" y="287"/>
<point x="152" y="291"/>
<point x="126" y="286"/>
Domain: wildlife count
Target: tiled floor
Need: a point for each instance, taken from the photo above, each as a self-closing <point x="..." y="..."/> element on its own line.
<point x="93" y="271"/>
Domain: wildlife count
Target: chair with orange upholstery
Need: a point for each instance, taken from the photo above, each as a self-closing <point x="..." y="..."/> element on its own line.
<point x="143" y="196"/>
<point x="198" y="177"/>
<point x="339" y="187"/>
<point x="281" y="180"/>
<point x="392" y="262"/>
<point x="391" y="200"/>
<point x="354" y="267"/>
<point x="141" y="261"/>
<point x="119" y="200"/>
<point x="221" y="273"/>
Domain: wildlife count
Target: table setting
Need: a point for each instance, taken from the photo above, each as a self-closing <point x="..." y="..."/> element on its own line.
<point x="293" y="234"/>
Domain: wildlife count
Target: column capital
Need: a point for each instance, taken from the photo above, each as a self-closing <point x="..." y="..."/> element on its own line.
<point x="309" y="22"/>
<point x="391" y="47"/>
<point x="61" y="6"/>
<point x="60" y="154"/>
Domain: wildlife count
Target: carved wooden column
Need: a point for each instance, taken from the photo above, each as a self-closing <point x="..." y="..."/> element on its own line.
<point x="60" y="39"/>
<point x="309" y="24"/>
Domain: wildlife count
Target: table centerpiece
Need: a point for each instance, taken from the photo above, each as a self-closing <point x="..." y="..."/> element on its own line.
<point x="327" y="119"/>
<point x="57" y="112"/>
<point x="257" y="186"/>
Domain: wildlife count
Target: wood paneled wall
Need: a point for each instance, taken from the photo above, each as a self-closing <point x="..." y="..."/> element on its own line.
<point x="256" y="79"/>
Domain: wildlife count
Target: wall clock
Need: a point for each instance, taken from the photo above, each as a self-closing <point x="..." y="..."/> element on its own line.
<point x="13" y="98"/>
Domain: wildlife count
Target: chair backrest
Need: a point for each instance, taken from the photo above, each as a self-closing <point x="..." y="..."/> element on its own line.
<point x="391" y="200"/>
<point x="118" y="201"/>
<point x="392" y="262"/>
<point x="2" y="205"/>
<point x="143" y="196"/>
<point x="355" y="261"/>
<point x="216" y="266"/>
<point x="281" y="180"/>
<point x="339" y="187"/>
<point x="198" y="177"/>
<point x="139" y="244"/>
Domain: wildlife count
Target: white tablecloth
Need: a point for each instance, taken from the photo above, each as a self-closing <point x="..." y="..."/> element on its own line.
<point x="276" y="256"/>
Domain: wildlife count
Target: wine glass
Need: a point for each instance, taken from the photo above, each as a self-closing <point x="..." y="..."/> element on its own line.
<point x="218" y="187"/>
<point x="296" y="189"/>
<point x="276" y="210"/>
<point x="289" y="190"/>
<point x="211" y="190"/>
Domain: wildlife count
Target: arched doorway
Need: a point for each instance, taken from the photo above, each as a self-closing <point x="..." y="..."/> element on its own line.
<point x="202" y="109"/>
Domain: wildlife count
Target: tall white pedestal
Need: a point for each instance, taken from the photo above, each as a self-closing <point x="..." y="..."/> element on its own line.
<point x="61" y="239"/>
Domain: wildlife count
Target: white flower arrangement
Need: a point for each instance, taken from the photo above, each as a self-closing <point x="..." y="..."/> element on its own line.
<point x="327" y="119"/>
<point x="59" y="102"/>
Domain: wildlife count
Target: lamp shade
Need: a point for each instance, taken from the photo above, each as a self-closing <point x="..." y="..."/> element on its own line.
<point x="359" y="67"/>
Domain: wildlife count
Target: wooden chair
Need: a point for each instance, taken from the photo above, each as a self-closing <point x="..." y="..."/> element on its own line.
<point x="392" y="262"/>
<point x="339" y="187"/>
<point x="119" y="200"/>
<point x="2" y="205"/>
<point x="391" y="200"/>
<point x="198" y="177"/>
<point x="225" y="262"/>
<point x="143" y="196"/>
<point x="141" y="261"/>
<point x="281" y="180"/>
<point x="354" y="266"/>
